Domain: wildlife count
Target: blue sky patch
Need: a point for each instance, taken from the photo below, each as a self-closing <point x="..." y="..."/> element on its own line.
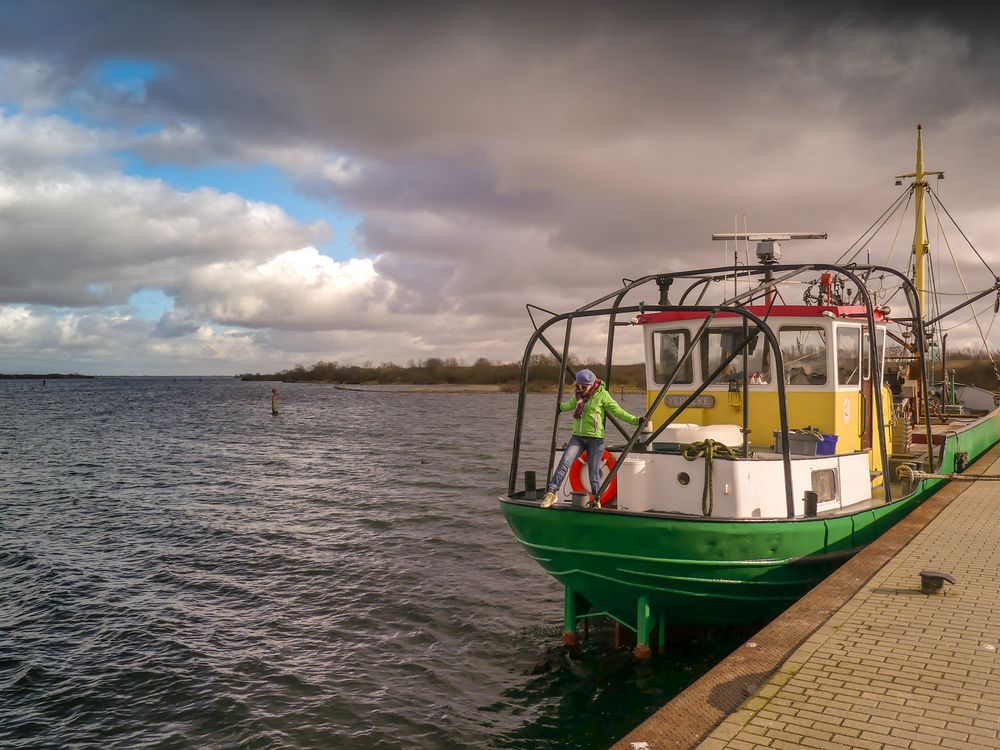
<point x="128" y="74"/>
<point x="262" y="182"/>
<point x="150" y="304"/>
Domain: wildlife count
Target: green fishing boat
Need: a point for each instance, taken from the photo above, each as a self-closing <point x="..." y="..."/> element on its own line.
<point x="779" y="437"/>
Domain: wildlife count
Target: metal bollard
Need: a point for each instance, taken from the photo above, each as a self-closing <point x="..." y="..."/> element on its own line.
<point x="529" y="481"/>
<point x="810" y="500"/>
<point x="931" y="581"/>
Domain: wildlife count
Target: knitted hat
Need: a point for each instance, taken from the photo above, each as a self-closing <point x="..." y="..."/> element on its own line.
<point x="585" y="377"/>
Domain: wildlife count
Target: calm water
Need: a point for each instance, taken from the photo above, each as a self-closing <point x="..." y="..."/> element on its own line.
<point x="180" y="569"/>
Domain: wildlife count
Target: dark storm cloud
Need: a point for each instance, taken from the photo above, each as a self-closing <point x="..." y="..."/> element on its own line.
<point x="389" y="76"/>
<point x="173" y="324"/>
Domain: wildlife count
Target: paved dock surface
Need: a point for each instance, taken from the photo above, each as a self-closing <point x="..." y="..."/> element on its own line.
<point x="866" y="660"/>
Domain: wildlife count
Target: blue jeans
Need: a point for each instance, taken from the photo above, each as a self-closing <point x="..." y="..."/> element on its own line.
<point x="576" y="446"/>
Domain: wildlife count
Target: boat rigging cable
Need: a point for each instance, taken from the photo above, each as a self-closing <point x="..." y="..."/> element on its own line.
<point x="935" y="202"/>
<point x="883" y="218"/>
<point x="937" y="199"/>
<point x="864" y="240"/>
<point x="902" y="216"/>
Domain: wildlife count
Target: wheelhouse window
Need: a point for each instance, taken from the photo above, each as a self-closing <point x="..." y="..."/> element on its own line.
<point x="848" y="355"/>
<point x="718" y="343"/>
<point x="803" y="353"/>
<point x="879" y="352"/>
<point x="668" y="348"/>
<point x="866" y="368"/>
<point x="866" y="365"/>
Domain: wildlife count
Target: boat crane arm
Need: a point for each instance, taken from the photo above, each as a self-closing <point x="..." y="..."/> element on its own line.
<point x="971" y="300"/>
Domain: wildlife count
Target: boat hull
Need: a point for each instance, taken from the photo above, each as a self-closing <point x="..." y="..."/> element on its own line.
<point x="704" y="571"/>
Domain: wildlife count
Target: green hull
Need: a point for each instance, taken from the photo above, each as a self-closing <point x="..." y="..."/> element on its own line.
<point x="645" y="568"/>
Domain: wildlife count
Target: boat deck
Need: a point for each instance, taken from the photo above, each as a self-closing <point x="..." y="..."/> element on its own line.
<point x="866" y="660"/>
<point x="940" y="429"/>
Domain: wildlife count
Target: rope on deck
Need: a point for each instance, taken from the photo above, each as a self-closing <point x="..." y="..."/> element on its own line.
<point x="708" y="449"/>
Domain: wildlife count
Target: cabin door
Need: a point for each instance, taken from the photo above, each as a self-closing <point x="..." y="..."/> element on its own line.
<point x="867" y="399"/>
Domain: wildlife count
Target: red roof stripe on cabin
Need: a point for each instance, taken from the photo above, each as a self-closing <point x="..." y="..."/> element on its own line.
<point x="761" y="311"/>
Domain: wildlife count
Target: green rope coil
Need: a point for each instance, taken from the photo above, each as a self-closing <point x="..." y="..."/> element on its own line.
<point x="708" y="449"/>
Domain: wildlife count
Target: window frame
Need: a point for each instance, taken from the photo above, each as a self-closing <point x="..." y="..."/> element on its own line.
<point x="856" y="331"/>
<point x="824" y="331"/>
<point x="680" y="380"/>
<point x="766" y="358"/>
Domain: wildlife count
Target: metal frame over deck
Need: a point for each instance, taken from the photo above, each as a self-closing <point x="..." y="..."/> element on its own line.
<point x="736" y="306"/>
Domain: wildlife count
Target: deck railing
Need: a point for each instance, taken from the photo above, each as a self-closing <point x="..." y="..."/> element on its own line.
<point x="734" y="305"/>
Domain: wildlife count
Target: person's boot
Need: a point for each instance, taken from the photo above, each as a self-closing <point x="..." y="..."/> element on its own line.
<point x="549" y="500"/>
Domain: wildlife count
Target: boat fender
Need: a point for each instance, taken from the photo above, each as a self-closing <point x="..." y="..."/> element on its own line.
<point x="576" y="476"/>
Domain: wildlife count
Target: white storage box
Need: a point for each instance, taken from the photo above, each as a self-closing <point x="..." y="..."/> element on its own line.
<point x="727" y="434"/>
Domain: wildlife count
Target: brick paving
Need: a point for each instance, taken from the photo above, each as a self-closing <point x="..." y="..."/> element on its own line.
<point x="866" y="660"/>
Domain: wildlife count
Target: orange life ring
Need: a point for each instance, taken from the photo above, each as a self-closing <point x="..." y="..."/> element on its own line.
<point x="576" y="476"/>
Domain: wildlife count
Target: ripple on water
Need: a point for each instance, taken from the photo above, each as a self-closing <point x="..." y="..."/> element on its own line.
<point x="180" y="569"/>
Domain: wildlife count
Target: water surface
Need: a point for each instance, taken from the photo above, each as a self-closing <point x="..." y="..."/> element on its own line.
<point x="180" y="569"/>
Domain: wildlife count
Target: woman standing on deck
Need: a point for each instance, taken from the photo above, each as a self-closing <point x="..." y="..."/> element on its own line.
<point x="589" y="404"/>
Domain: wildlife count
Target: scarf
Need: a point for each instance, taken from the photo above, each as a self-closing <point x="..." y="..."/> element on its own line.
<point x="583" y="394"/>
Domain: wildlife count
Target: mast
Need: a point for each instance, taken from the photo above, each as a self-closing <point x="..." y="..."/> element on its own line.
<point x="920" y="227"/>
<point x="920" y="248"/>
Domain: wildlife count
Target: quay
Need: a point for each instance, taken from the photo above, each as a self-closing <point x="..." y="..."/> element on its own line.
<point x="866" y="659"/>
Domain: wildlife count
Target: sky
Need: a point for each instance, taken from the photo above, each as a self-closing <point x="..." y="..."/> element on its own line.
<point x="226" y="187"/>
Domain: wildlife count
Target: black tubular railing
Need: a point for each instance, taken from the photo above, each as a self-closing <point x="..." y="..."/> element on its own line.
<point x="913" y="299"/>
<point x="731" y="306"/>
<point x="555" y="418"/>
<point x="712" y="312"/>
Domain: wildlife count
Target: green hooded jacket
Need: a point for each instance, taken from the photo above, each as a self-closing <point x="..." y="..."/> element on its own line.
<point x="591" y="422"/>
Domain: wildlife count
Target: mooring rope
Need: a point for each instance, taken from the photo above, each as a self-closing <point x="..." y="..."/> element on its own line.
<point x="708" y="449"/>
<point x="909" y="474"/>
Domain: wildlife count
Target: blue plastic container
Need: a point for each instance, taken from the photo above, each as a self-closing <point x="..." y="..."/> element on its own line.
<point x="828" y="446"/>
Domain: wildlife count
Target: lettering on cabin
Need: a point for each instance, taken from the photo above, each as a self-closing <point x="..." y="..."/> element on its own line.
<point x="700" y="402"/>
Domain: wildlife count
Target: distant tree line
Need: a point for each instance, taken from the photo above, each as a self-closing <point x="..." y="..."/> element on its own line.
<point x="543" y="372"/>
<point x="971" y="367"/>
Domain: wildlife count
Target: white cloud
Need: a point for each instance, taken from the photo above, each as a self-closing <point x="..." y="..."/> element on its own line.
<point x="46" y="142"/>
<point x="35" y="85"/>
<point x="295" y="290"/>
<point x="70" y="229"/>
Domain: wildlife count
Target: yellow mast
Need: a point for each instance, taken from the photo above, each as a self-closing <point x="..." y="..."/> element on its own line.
<point x="920" y="248"/>
<point x="920" y="229"/>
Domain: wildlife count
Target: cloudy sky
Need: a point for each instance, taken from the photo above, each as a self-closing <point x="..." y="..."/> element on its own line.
<point x="212" y="188"/>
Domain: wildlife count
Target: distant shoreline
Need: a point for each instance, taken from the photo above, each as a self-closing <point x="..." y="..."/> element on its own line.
<point x="50" y="376"/>
<point x="439" y="375"/>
